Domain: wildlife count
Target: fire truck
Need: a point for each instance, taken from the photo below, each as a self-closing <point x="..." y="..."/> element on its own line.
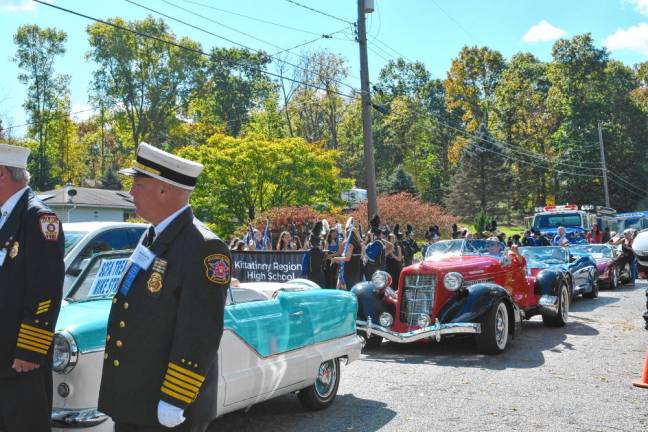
<point x="577" y="221"/>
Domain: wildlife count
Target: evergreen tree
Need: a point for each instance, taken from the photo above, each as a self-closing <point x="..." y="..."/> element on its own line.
<point x="110" y="179"/>
<point x="398" y="181"/>
<point x="482" y="180"/>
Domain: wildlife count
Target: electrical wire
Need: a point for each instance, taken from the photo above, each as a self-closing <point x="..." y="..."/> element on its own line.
<point x="287" y="27"/>
<point x="225" y="38"/>
<point x="320" y="12"/>
<point x="177" y="45"/>
<point x="58" y="116"/>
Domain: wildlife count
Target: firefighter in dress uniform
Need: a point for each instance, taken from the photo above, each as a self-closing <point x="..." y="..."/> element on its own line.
<point x="31" y="286"/>
<point x="160" y="366"/>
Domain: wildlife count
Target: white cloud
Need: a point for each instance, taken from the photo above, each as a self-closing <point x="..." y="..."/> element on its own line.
<point x="634" y="38"/>
<point x="641" y="6"/>
<point x="19" y="5"/>
<point x="544" y="31"/>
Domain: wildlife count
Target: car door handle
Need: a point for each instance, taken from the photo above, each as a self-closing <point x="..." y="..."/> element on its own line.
<point x="297" y="313"/>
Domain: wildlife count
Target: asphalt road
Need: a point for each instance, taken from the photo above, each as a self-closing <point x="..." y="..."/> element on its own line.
<point x="577" y="378"/>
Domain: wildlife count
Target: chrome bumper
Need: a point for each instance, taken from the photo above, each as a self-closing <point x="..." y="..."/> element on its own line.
<point x="548" y="304"/>
<point x="77" y="418"/>
<point x="434" y="331"/>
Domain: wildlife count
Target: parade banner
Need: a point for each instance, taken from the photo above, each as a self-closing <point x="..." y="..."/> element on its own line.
<point x="267" y="266"/>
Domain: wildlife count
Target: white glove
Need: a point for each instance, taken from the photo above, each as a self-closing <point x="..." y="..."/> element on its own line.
<point x="169" y="415"/>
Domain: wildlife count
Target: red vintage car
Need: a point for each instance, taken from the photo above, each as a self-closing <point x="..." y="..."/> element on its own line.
<point x="473" y="287"/>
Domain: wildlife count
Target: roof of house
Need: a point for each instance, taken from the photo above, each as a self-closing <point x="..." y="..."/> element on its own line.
<point x="87" y="197"/>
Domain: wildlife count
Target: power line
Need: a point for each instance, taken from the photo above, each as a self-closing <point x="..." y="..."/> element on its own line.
<point x="58" y="116"/>
<point x="177" y="45"/>
<point x="253" y="18"/>
<point x="227" y="39"/>
<point x="320" y="12"/>
<point x="452" y="19"/>
<point x="222" y="37"/>
<point x="626" y="182"/>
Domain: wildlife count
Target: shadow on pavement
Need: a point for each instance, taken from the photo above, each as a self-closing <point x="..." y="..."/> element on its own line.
<point x="285" y="413"/>
<point x="525" y="352"/>
<point x="588" y="305"/>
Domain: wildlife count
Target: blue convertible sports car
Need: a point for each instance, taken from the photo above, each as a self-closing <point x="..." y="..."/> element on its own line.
<point x="578" y="270"/>
<point x="279" y="338"/>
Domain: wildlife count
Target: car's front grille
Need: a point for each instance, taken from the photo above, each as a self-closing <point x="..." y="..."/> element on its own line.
<point x="418" y="297"/>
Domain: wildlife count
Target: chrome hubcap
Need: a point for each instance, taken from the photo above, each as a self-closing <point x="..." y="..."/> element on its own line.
<point x="326" y="378"/>
<point x="501" y="326"/>
<point x="564" y="304"/>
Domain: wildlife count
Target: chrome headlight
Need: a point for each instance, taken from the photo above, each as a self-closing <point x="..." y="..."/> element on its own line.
<point x="422" y="320"/>
<point x="453" y="281"/>
<point x="65" y="353"/>
<point x="386" y="320"/>
<point x="380" y="279"/>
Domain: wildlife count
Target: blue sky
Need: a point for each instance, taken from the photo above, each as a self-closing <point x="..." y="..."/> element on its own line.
<point x="431" y="31"/>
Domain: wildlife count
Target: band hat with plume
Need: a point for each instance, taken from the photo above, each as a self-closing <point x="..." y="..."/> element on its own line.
<point x="374" y="225"/>
<point x="164" y="166"/>
<point x="14" y="156"/>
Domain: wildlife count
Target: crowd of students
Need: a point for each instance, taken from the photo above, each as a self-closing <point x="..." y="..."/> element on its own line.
<point x="337" y="256"/>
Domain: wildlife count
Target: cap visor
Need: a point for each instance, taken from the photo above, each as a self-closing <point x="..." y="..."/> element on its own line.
<point x="127" y="172"/>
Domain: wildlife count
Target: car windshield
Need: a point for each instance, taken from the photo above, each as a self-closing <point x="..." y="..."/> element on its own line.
<point x="100" y="279"/>
<point x="464" y="247"/>
<point x="544" y="221"/>
<point x="72" y="238"/>
<point x="596" y="251"/>
<point x="541" y="256"/>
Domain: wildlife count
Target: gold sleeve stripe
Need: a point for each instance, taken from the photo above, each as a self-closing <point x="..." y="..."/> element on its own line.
<point x="30" y="348"/>
<point x="35" y="335"/>
<point x="37" y="330"/>
<point x="184" y="378"/>
<point x="32" y="343"/>
<point x="44" y="303"/>
<point x="187" y="372"/>
<point x="180" y="383"/>
<point x="42" y="310"/>
<point x="176" y="395"/>
<point x="178" y="389"/>
<point x="35" y="339"/>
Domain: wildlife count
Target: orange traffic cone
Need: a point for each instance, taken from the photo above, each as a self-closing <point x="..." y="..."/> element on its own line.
<point x="643" y="381"/>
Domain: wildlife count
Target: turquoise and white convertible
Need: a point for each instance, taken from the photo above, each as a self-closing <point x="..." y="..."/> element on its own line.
<point x="279" y="338"/>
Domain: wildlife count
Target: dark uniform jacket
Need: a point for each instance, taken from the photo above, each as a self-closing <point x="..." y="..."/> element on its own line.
<point x="163" y="335"/>
<point x="31" y="283"/>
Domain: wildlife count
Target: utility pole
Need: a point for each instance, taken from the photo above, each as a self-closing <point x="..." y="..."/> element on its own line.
<point x="603" y="166"/>
<point x="366" y="6"/>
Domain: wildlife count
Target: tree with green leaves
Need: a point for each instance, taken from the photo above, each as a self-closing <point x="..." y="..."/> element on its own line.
<point x="37" y="49"/>
<point x="246" y="176"/>
<point x="150" y="82"/>
<point x="482" y="179"/>
<point x="234" y="83"/>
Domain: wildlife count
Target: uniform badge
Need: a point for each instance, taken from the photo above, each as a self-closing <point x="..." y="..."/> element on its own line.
<point x="50" y="227"/>
<point x="13" y="253"/>
<point x="154" y="283"/>
<point x="217" y="268"/>
<point x="159" y="266"/>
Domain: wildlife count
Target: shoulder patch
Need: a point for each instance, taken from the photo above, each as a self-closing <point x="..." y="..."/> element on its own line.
<point x="50" y="227"/>
<point x="218" y="268"/>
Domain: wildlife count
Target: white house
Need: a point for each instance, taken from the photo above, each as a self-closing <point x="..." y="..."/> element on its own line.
<point x="78" y="204"/>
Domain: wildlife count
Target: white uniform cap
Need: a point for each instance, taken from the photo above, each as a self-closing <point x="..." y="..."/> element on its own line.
<point x="164" y="166"/>
<point x="14" y="156"/>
